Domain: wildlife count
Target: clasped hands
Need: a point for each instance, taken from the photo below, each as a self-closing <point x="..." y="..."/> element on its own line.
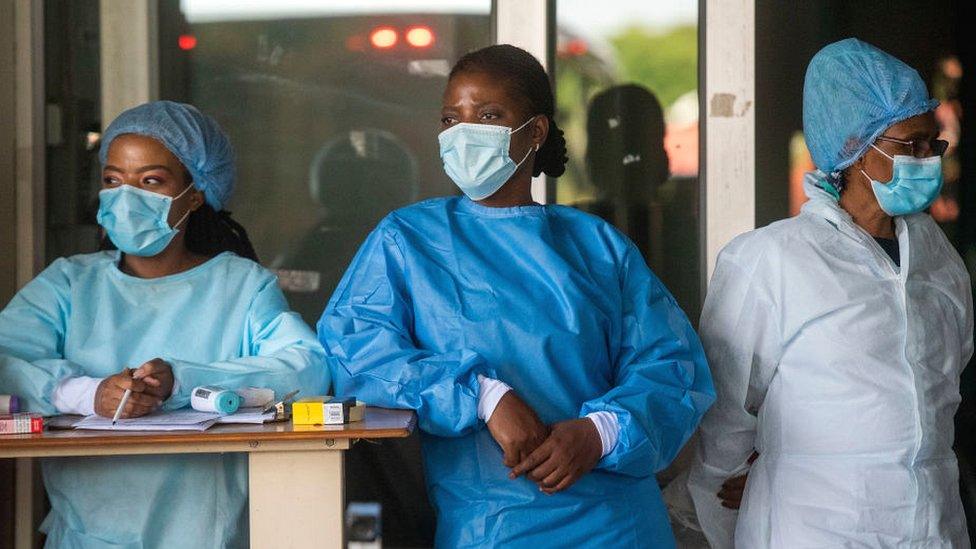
<point x="554" y="457"/>
<point x="151" y="384"/>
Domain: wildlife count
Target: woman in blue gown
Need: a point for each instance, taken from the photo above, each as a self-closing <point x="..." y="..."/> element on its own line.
<point x="182" y="302"/>
<point x="551" y="371"/>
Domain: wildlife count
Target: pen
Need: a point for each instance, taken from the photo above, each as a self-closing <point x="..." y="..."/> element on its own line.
<point x="125" y="398"/>
<point x="118" y="411"/>
<point x="284" y="400"/>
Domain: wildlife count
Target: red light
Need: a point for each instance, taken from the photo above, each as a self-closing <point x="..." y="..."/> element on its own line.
<point x="187" y="42"/>
<point x="383" y="38"/>
<point x="420" y="37"/>
<point x="577" y="47"/>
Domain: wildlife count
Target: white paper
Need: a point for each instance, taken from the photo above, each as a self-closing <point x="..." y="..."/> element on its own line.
<point x="179" y="420"/>
<point x="248" y="415"/>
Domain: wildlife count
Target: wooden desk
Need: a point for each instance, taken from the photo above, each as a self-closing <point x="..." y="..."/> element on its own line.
<point x="295" y="473"/>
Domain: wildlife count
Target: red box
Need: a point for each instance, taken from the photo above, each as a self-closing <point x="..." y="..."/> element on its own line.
<point x="14" y="424"/>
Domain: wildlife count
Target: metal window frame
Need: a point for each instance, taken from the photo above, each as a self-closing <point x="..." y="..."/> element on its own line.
<point x="29" y="140"/>
<point x="29" y="148"/>
<point x="8" y="153"/>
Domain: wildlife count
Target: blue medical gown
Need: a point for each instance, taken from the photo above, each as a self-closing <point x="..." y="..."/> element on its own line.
<point x="224" y="322"/>
<point x="560" y="306"/>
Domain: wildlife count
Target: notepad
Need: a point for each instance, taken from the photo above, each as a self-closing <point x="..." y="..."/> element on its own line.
<point x="178" y="420"/>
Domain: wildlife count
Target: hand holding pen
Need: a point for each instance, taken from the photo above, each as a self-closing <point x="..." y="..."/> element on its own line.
<point x="158" y="375"/>
<point x="128" y="387"/>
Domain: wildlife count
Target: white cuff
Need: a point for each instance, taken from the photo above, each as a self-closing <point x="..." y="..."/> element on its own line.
<point x="76" y="395"/>
<point x="176" y="389"/>
<point x="608" y="427"/>
<point x="492" y="391"/>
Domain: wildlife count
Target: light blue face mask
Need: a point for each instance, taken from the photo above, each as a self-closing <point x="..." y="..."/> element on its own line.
<point x="137" y="220"/>
<point x="476" y="157"/>
<point x="915" y="184"/>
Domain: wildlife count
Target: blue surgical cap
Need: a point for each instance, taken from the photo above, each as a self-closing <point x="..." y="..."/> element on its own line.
<point x="852" y="93"/>
<point x="193" y="137"/>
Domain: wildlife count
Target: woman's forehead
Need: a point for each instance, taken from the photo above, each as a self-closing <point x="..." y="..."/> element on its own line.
<point x="140" y="148"/>
<point x="478" y="88"/>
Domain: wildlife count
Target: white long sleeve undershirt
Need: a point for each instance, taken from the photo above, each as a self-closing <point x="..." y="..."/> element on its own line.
<point x="492" y="391"/>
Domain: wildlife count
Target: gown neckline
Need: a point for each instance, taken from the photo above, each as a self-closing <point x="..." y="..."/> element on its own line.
<point x="194" y="271"/>
<point x="470" y="206"/>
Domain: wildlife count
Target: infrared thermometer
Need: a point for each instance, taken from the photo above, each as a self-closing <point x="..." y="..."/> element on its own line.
<point x="210" y="398"/>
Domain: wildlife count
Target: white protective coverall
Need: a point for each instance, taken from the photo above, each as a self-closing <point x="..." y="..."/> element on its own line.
<point x="842" y="370"/>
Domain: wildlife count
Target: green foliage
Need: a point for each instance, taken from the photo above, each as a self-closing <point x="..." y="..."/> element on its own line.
<point x="665" y="62"/>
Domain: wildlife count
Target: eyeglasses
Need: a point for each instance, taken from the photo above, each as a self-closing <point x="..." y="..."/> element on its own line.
<point x="921" y="148"/>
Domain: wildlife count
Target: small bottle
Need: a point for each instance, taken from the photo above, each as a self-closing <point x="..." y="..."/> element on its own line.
<point x="9" y="404"/>
<point x="210" y="398"/>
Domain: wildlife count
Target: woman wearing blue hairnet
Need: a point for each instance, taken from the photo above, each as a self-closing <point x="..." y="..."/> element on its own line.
<point x="552" y="373"/>
<point x="837" y="338"/>
<point x="182" y="302"/>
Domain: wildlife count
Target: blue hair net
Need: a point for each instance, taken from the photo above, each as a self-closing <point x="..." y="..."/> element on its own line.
<point x="852" y="93"/>
<point x="193" y="137"/>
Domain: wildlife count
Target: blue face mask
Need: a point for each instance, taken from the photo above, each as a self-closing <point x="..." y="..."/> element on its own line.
<point x="915" y="184"/>
<point x="476" y="157"/>
<point x="137" y="220"/>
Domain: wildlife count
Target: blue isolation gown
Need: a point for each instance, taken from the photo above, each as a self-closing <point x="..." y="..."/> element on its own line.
<point x="560" y="306"/>
<point x="223" y="322"/>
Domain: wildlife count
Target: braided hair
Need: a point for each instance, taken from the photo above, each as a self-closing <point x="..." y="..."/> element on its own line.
<point x="209" y="233"/>
<point x="526" y="78"/>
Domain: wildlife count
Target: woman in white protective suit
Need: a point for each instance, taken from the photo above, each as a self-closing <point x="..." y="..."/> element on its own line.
<point x="836" y="338"/>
